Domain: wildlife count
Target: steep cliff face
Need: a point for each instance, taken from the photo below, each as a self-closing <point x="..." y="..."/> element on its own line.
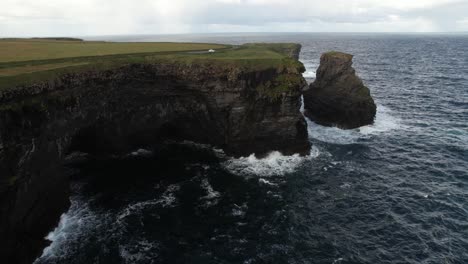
<point x="119" y="110"/>
<point x="338" y="96"/>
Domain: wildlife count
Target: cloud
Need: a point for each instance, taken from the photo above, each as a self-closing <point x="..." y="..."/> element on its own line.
<point x="97" y="17"/>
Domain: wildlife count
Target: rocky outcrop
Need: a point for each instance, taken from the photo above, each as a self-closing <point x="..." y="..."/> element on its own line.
<point x="114" y="111"/>
<point x="338" y="97"/>
<point x="295" y="52"/>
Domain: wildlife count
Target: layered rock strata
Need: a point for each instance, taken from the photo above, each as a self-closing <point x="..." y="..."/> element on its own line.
<point x="240" y="110"/>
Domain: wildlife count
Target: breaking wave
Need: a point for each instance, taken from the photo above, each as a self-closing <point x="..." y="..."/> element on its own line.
<point x="311" y="66"/>
<point x="272" y="165"/>
<point x="71" y="230"/>
<point x="384" y="122"/>
<point x="309" y="74"/>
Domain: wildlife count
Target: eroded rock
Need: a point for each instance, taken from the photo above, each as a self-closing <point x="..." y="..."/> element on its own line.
<point x="338" y="96"/>
<point x="240" y="110"/>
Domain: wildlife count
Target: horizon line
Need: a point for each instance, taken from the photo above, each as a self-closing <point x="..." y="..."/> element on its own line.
<point x="240" y="32"/>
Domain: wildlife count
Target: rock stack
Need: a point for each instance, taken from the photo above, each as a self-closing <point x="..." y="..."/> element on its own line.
<point x="338" y="96"/>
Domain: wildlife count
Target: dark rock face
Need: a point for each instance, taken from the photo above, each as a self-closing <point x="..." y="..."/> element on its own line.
<point x="118" y="111"/>
<point x="296" y="52"/>
<point x="338" y="97"/>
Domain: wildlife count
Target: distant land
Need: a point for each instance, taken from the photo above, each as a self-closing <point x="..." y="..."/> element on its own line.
<point x="45" y="38"/>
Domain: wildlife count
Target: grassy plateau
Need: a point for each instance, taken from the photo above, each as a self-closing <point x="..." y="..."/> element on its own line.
<point x="25" y="61"/>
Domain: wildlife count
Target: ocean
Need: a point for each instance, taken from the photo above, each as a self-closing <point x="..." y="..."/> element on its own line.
<point x="392" y="192"/>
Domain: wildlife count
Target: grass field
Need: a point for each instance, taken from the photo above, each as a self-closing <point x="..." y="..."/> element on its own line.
<point x="24" y="61"/>
<point x="28" y="50"/>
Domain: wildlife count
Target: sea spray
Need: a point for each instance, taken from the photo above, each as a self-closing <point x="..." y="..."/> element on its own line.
<point x="273" y="164"/>
<point x="384" y="122"/>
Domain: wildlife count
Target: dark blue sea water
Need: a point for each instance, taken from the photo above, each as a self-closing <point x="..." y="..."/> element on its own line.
<point x="393" y="192"/>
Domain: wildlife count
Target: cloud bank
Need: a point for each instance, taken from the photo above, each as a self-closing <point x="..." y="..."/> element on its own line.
<point x="105" y="17"/>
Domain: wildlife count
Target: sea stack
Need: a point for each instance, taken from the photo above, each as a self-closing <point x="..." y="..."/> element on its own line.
<point x="338" y="96"/>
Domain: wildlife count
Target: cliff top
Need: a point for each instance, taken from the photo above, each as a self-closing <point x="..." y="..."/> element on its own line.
<point x="338" y="55"/>
<point x="25" y="61"/>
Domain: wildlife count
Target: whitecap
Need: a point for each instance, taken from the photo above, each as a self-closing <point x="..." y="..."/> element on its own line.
<point x="141" y="153"/>
<point x="309" y="74"/>
<point x="310" y="67"/>
<point x="266" y="182"/>
<point x="345" y="185"/>
<point x="211" y="193"/>
<point x="385" y="121"/>
<point x="337" y="260"/>
<point x="167" y="199"/>
<point x="211" y="197"/>
<point x="239" y="211"/>
<point x="79" y="220"/>
<point x="421" y="194"/>
<point x="273" y="164"/>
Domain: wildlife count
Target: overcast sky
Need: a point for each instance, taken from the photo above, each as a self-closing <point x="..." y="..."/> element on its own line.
<point x="110" y="17"/>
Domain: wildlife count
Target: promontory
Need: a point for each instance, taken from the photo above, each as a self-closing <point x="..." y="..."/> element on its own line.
<point x="59" y="96"/>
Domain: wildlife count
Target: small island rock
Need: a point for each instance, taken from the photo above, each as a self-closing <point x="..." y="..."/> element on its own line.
<point x="338" y="96"/>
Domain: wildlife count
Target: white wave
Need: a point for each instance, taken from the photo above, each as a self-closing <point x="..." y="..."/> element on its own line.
<point x="73" y="224"/>
<point x="141" y="153"/>
<point x="266" y="182"/>
<point x="311" y="67"/>
<point x="210" y="192"/>
<point x="273" y="164"/>
<point x="309" y="74"/>
<point x="338" y="260"/>
<point x="167" y="199"/>
<point x="345" y="185"/>
<point x="211" y="197"/>
<point x="422" y="194"/>
<point x="385" y="121"/>
<point x="239" y="210"/>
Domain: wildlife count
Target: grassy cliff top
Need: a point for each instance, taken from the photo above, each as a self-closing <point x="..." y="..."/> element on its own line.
<point x="338" y="54"/>
<point x="25" y="61"/>
<point x="46" y="49"/>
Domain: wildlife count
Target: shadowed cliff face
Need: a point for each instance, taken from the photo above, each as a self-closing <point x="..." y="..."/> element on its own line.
<point x="338" y="97"/>
<point x="120" y="110"/>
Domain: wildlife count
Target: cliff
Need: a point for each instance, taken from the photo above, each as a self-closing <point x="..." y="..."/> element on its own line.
<point x="338" y="96"/>
<point x="243" y="106"/>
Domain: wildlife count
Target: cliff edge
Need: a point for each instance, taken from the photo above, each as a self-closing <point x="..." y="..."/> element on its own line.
<point x="242" y="99"/>
<point x="338" y="96"/>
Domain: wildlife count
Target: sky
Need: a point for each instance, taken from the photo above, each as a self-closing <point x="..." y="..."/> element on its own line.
<point x="26" y="18"/>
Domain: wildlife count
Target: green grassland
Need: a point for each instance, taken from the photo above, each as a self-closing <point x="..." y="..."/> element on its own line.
<point x="28" y="50"/>
<point x="25" y="61"/>
<point x="338" y="54"/>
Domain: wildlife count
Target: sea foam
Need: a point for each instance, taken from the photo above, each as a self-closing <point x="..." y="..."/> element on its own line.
<point x="273" y="164"/>
<point x="384" y="122"/>
<point x="71" y="230"/>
